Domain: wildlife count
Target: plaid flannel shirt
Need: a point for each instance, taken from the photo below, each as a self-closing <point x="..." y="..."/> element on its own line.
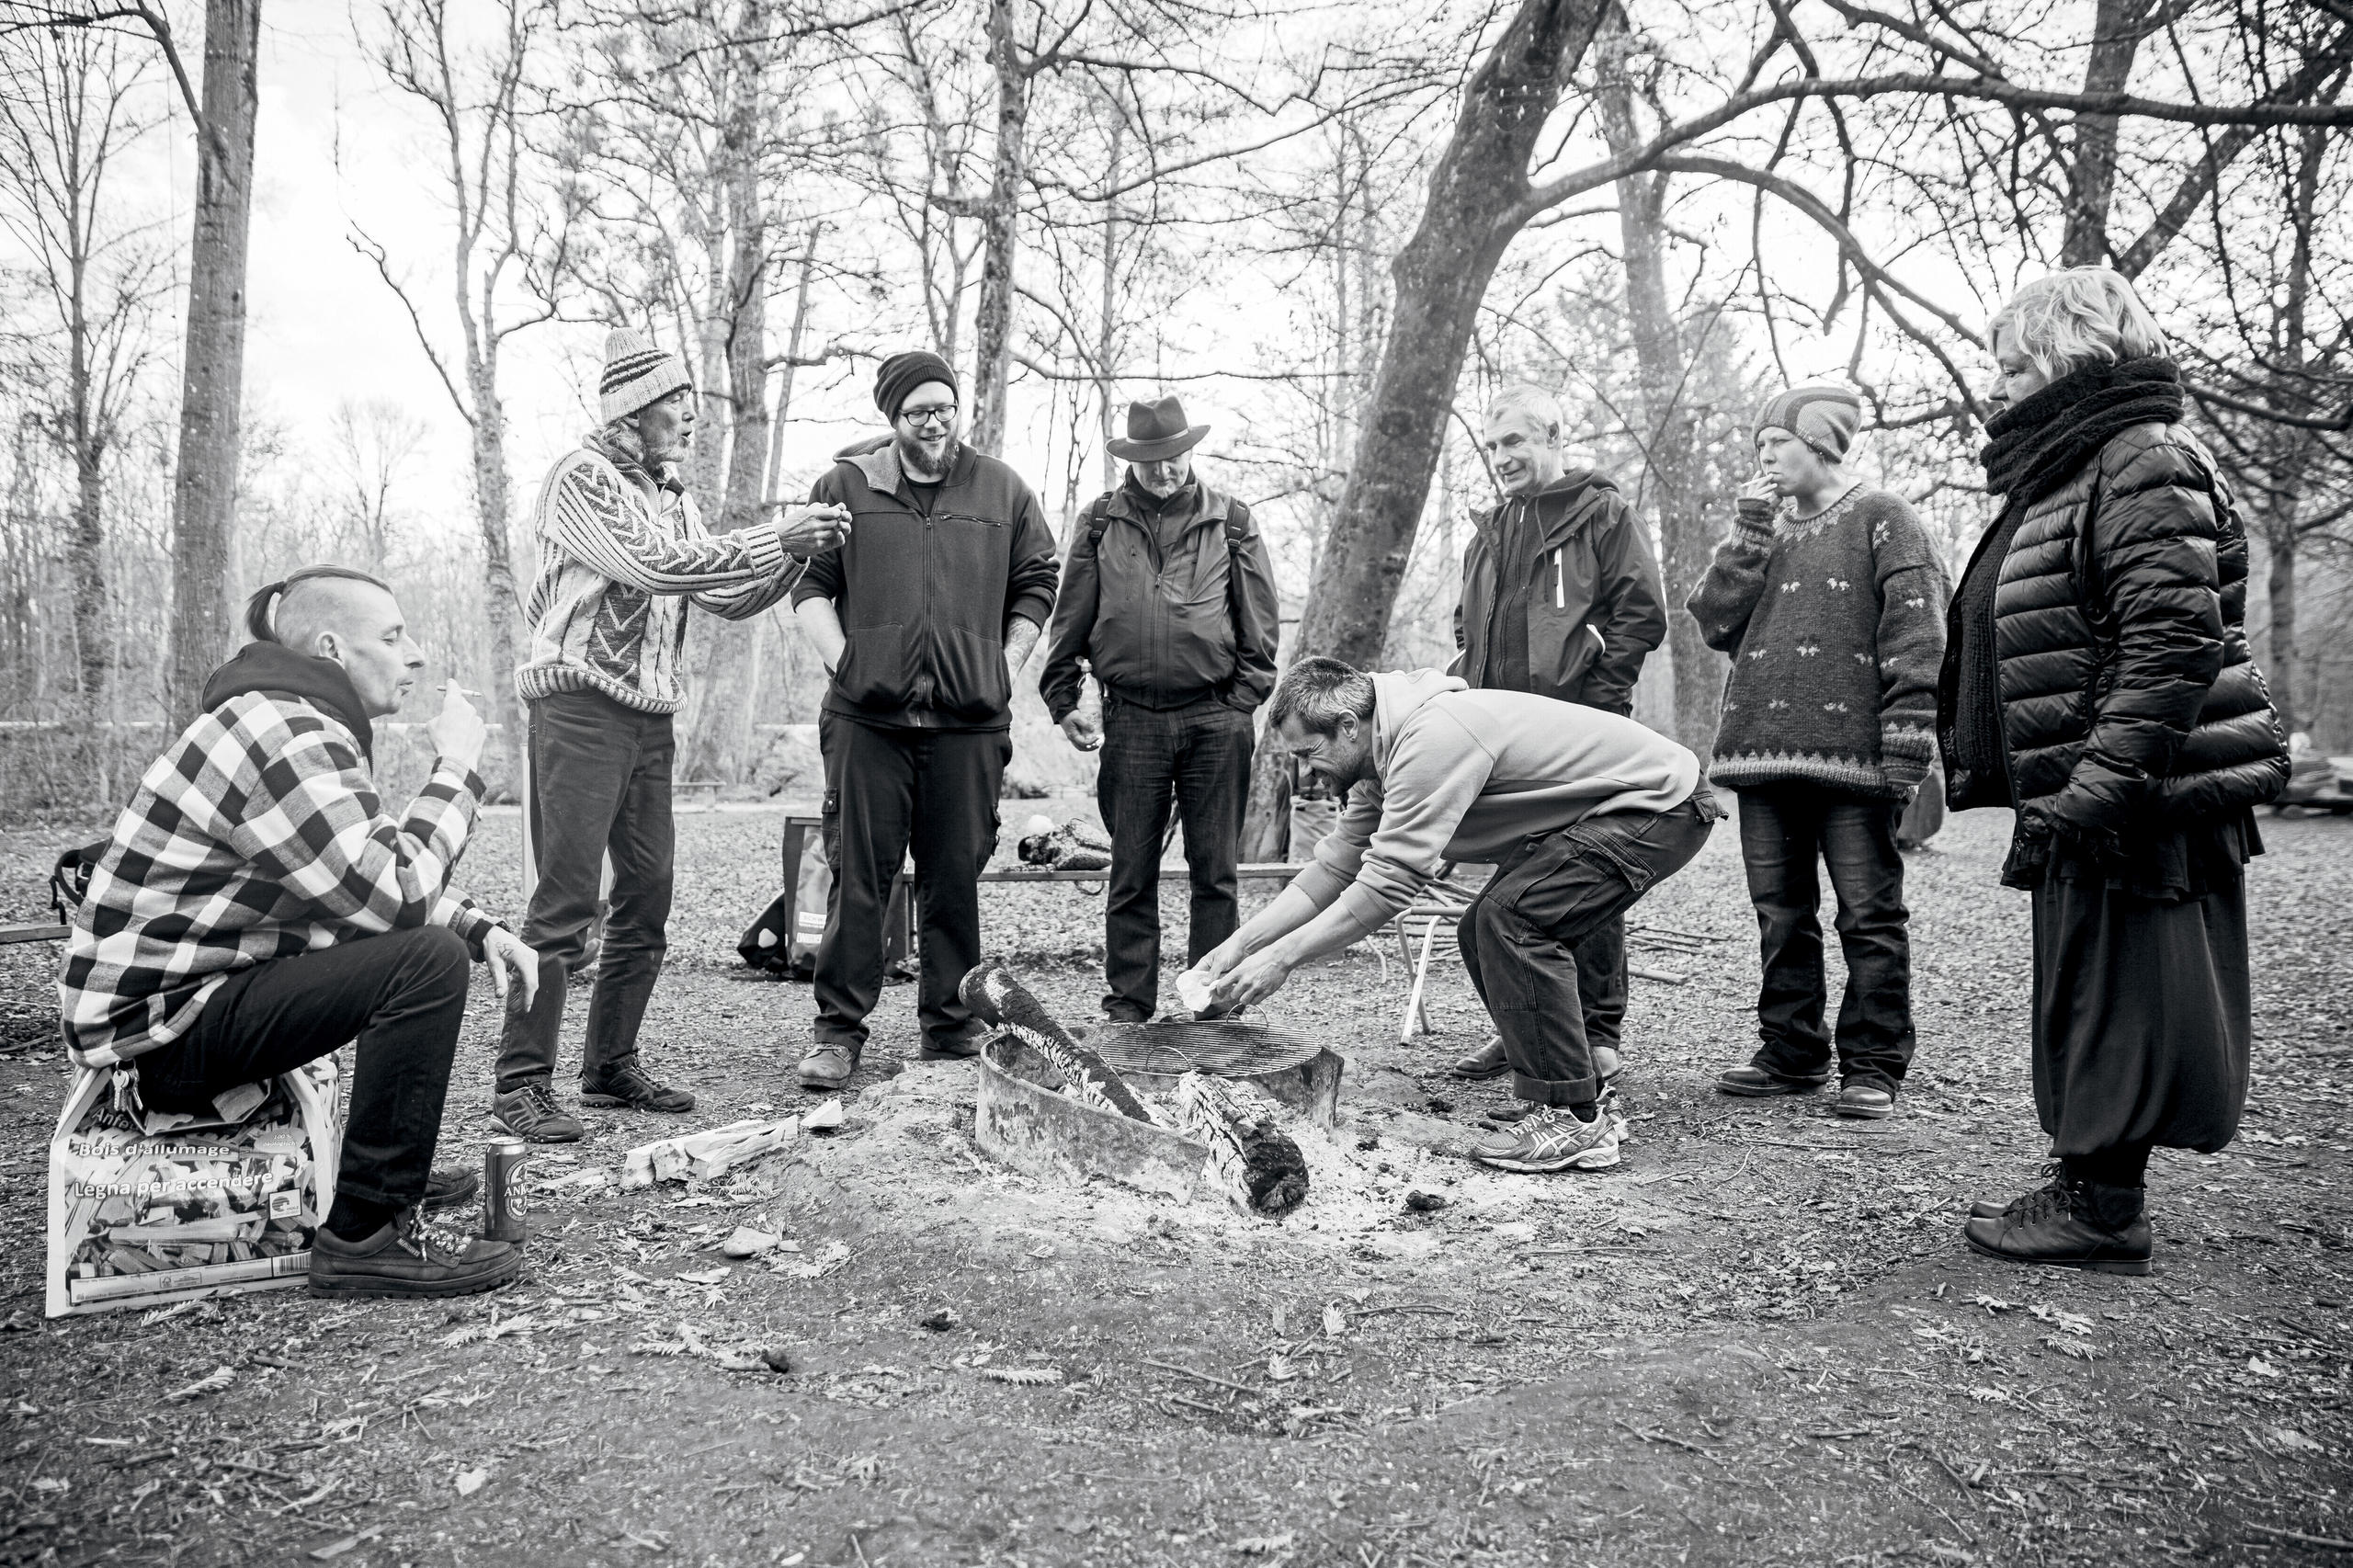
<point x="257" y="835"/>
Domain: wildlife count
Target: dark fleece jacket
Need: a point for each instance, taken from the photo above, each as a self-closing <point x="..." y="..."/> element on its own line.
<point x="924" y="599"/>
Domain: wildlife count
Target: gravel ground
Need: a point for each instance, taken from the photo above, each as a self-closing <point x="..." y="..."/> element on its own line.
<point x="1757" y="1341"/>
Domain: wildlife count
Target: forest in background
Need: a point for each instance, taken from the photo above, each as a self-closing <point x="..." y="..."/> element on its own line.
<point x="1339" y="227"/>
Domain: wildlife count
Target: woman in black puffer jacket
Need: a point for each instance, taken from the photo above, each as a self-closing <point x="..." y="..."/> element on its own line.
<point x="2097" y="678"/>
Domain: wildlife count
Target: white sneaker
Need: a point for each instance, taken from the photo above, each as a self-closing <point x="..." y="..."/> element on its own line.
<point x="1552" y="1139"/>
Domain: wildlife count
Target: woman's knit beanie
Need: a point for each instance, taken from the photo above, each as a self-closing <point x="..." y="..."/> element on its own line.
<point x="1825" y="418"/>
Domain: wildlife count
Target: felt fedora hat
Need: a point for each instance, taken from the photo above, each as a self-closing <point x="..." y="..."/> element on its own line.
<point x="1156" y="430"/>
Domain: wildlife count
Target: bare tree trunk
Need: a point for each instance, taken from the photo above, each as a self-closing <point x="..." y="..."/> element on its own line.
<point x="1107" y="325"/>
<point x="87" y="551"/>
<point x="2091" y="183"/>
<point x="714" y="747"/>
<point x="1439" y="279"/>
<point x="1670" y="433"/>
<point x="2280" y="586"/>
<point x="493" y="509"/>
<point x="1000" y="228"/>
<point x="212" y="378"/>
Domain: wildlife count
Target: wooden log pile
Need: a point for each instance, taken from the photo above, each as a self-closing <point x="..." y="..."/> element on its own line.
<point x="1256" y="1165"/>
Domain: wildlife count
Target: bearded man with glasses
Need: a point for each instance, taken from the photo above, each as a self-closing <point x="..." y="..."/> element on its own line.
<point x="922" y="619"/>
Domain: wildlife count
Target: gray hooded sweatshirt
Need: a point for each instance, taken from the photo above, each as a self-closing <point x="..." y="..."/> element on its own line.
<point x="1470" y="776"/>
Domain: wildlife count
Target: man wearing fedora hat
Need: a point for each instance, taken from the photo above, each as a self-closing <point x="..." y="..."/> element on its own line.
<point x="1167" y="598"/>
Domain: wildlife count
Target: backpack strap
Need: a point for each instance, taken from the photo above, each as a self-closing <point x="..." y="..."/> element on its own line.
<point x="1099" y="519"/>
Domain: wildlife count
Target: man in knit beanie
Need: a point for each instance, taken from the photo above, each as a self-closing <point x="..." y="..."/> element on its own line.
<point x="922" y="620"/>
<point x="621" y="550"/>
<point x="1830" y="599"/>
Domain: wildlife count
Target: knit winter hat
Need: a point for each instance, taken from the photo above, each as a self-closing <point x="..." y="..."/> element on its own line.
<point x="900" y="374"/>
<point x="1825" y="418"/>
<point x="636" y="373"/>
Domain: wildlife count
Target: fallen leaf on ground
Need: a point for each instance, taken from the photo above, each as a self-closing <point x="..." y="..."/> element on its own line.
<point x="212" y="1382"/>
<point x="472" y="1480"/>
<point x="1023" y="1377"/>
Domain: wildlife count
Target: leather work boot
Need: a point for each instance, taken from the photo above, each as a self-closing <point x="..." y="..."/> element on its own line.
<point x="409" y="1256"/>
<point x="1487" y="1061"/>
<point x="956" y="1048"/>
<point x="826" y="1067"/>
<point x="2053" y="1175"/>
<point x="1755" y="1083"/>
<point x="2071" y="1225"/>
<point x="1865" y="1102"/>
<point x="627" y="1086"/>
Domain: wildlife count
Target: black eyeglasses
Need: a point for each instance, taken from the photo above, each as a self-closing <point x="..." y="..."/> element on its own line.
<point x="943" y="415"/>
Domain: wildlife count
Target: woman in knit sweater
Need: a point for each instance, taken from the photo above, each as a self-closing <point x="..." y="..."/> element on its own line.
<point x="2097" y="680"/>
<point x="1830" y="599"/>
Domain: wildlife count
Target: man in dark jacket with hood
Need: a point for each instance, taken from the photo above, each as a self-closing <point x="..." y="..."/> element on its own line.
<point x="922" y="619"/>
<point x="1560" y="598"/>
<point x="1167" y="598"/>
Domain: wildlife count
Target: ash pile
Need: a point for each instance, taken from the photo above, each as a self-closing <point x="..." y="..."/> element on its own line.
<point x="1174" y="1109"/>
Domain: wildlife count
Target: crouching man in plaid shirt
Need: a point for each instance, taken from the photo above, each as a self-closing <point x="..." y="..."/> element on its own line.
<point x="257" y="907"/>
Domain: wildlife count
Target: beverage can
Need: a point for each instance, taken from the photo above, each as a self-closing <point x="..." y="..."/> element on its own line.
<point x="503" y="1204"/>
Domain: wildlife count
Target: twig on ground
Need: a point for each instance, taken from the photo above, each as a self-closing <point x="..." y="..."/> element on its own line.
<point x="1668" y="1437"/>
<point x="1205" y="1377"/>
<point x="2331" y="1542"/>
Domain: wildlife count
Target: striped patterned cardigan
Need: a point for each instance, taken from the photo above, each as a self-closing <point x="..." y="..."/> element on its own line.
<point x="615" y="569"/>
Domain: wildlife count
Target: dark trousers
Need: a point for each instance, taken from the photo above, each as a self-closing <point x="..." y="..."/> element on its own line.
<point x="1520" y="935"/>
<point x="401" y="995"/>
<point x="1784" y="830"/>
<point x="2143" y="1022"/>
<point x="888" y="791"/>
<point x="600" y="784"/>
<point x="1199" y="756"/>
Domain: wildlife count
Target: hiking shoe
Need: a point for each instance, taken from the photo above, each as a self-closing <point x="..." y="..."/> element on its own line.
<point x="1755" y="1084"/>
<point x="2053" y="1175"/>
<point x="1865" y="1102"/>
<point x="630" y="1087"/>
<point x="1487" y="1061"/>
<point x="959" y="1047"/>
<point x="2071" y="1224"/>
<point x="410" y="1257"/>
<point x="447" y="1190"/>
<point x="531" y="1114"/>
<point x="826" y="1067"/>
<point x="1552" y="1139"/>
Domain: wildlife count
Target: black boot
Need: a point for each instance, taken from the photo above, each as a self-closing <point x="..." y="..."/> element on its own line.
<point x="2053" y="1175"/>
<point x="2071" y="1224"/>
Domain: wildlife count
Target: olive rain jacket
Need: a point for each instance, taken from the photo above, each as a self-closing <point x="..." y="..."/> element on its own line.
<point x="2129" y="694"/>
<point x="1596" y="609"/>
<point x="924" y="600"/>
<point x="1162" y="630"/>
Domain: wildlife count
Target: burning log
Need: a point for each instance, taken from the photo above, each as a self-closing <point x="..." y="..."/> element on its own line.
<point x="1002" y="1002"/>
<point x="1260" y="1168"/>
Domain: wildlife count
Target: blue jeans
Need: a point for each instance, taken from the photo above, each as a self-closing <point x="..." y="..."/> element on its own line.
<point x="1521" y="936"/>
<point x="1199" y="757"/>
<point x="1784" y="830"/>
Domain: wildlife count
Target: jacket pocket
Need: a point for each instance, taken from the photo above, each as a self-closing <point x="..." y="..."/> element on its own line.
<point x="973" y="682"/>
<point x="873" y="671"/>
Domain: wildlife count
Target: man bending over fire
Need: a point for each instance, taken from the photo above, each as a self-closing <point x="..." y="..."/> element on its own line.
<point x="1578" y="810"/>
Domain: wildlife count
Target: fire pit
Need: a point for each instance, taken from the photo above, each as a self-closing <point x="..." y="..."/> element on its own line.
<point x="1153" y="1056"/>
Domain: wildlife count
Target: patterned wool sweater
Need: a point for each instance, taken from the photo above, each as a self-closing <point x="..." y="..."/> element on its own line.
<point x="1836" y="628"/>
<point x="607" y="609"/>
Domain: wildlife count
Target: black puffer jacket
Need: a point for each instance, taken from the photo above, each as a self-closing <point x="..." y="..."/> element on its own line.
<point x="2129" y="694"/>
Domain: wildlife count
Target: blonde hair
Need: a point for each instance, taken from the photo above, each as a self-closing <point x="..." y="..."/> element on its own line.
<point x="1527" y="397"/>
<point x="2084" y="316"/>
